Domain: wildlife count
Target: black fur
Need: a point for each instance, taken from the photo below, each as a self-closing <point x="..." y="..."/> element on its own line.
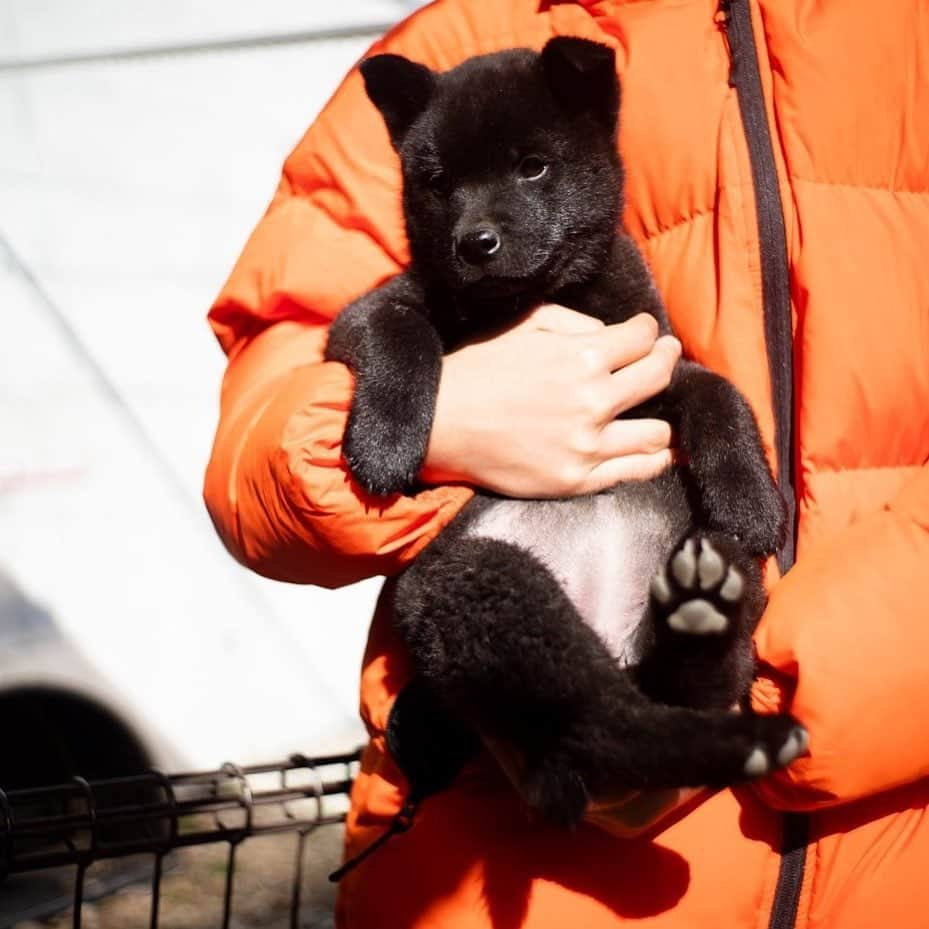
<point x="513" y="196"/>
<point x="386" y="340"/>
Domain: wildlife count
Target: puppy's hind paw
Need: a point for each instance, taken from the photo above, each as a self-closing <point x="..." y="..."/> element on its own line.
<point x="556" y="791"/>
<point x="781" y="741"/>
<point x="698" y="592"/>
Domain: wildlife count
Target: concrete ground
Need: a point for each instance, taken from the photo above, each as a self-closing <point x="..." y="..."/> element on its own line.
<point x="193" y="887"/>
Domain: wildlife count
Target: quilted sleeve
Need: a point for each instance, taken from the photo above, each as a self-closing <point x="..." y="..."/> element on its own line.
<point x="843" y="646"/>
<point x="276" y="487"/>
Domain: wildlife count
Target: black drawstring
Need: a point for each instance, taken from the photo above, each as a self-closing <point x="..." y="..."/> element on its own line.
<point x="398" y="825"/>
<point x="429" y="746"/>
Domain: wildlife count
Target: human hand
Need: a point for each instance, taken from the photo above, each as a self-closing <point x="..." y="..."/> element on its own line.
<point x="532" y="411"/>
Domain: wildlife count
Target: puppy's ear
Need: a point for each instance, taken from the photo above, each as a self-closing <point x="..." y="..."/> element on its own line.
<point x="582" y="76"/>
<point x="400" y="89"/>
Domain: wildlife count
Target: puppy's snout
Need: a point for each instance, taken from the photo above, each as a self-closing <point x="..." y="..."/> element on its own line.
<point x="477" y="246"/>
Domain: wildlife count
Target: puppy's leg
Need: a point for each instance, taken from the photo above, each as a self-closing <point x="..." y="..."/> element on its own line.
<point x="732" y="482"/>
<point x="644" y="745"/>
<point x="500" y="643"/>
<point x="697" y="637"/>
<point x="497" y="638"/>
<point x="395" y="355"/>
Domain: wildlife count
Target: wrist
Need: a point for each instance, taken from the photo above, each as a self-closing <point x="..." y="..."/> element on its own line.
<point x="445" y="457"/>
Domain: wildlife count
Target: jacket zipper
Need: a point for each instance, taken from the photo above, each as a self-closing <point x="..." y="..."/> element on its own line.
<point x="746" y="78"/>
<point x="775" y="284"/>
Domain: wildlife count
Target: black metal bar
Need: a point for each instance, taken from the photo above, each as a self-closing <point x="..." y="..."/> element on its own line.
<point x="156" y="890"/>
<point x="43" y="826"/>
<point x="40" y="862"/>
<point x="7" y="835"/>
<point x="298" y="881"/>
<point x="303" y="761"/>
<point x="51" y="839"/>
<point x="88" y="793"/>
<point x="141" y="813"/>
<point x="167" y="787"/>
<point x="247" y="805"/>
<point x="78" y="905"/>
<point x="230" y="877"/>
<point x="319" y="789"/>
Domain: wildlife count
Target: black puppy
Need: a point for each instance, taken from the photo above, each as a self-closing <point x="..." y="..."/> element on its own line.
<point x="604" y="638"/>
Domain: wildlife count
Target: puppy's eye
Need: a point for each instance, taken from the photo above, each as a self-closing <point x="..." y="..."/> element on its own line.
<point x="439" y="183"/>
<point x="531" y="168"/>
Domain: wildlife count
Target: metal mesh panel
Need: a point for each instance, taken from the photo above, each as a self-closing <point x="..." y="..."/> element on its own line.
<point x="80" y="823"/>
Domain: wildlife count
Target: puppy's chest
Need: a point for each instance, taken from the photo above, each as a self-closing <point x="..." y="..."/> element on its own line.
<point x="603" y="550"/>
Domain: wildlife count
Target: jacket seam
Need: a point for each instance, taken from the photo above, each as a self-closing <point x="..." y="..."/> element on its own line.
<point x="877" y="188"/>
<point x="814" y="873"/>
<point x="593" y="6"/>
<point x="664" y="230"/>
<point x="829" y="469"/>
<point x="734" y="137"/>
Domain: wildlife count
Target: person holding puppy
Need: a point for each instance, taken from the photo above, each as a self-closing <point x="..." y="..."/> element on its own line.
<point x="776" y="183"/>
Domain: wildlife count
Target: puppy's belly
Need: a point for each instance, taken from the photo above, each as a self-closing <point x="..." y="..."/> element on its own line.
<point x="603" y="550"/>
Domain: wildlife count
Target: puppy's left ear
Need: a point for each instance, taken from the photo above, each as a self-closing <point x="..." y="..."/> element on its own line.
<point x="582" y="76"/>
<point x="400" y="89"/>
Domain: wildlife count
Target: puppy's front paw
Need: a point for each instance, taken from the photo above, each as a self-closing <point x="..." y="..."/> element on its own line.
<point x="378" y="469"/>
<point x="380" y="463"/>
<point x="749" y="507"/>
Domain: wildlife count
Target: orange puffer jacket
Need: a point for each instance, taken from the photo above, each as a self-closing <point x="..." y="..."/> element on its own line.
<point x="778" y="183"/>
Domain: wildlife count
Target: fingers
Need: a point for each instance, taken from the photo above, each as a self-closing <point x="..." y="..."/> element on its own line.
<point x="633" y="437"/>
<point x="624" y="450"/>
<point x="552" y="317"/>
<point x="616" y="346"/>
<point x="614" y="471"/>
<point x="642" y="365"/>
<point x="630" y="450"/>
<point x="643" y="379"/>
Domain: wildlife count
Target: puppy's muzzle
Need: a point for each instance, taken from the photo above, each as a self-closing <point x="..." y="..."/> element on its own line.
<point x="478" y="246"/>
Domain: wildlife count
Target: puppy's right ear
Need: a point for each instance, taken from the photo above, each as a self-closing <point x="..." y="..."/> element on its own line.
<point x="582" y="76"/>
<point x="400" y="89"/>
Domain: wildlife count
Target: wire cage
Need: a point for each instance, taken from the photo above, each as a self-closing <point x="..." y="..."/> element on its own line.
<point x="80" y="823"/>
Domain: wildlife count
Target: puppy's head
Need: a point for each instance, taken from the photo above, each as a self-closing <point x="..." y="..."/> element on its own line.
<point x="512" y="182"/>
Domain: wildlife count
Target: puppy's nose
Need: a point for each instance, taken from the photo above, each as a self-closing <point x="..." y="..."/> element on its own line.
<point x="479" y="245"/>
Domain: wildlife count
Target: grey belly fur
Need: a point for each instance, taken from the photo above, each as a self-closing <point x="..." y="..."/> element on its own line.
<point x="603" y="549"/>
